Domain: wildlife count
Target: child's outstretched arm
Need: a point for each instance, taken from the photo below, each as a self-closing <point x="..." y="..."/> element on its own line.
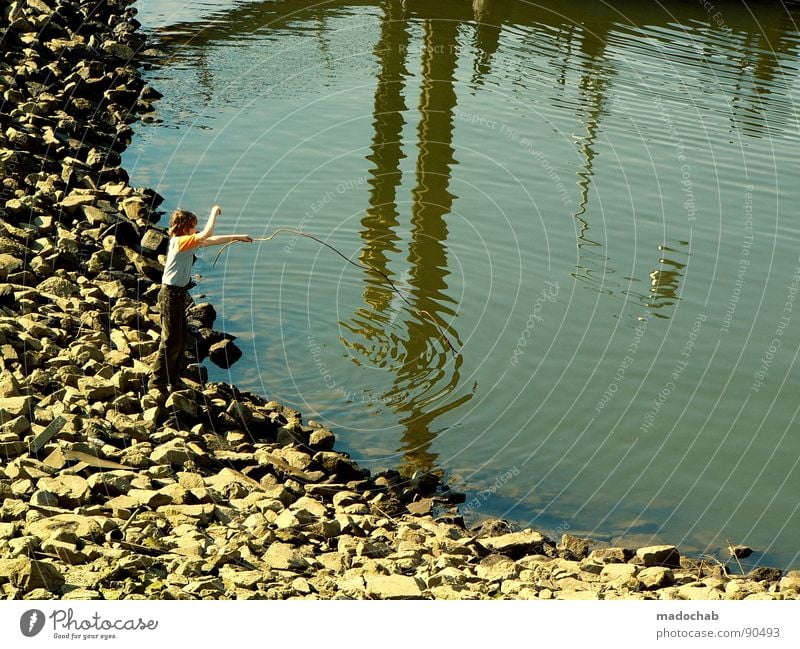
<point x="221" y="239"/>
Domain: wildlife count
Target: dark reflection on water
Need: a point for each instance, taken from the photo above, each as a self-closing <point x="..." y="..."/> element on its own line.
<point x="593" y="264"/>
<point x="665" y="279"/>
<point x="425" y="372"/>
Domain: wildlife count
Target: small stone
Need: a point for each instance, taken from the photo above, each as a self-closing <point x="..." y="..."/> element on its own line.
<point x="610" y="555"/>
<point x="308" y="510"/>
<point x="698" y="591"/>
<point x="741" y="588"/>
<point x="71" y="490"/>
<point x="181" y="403"/>
<point x="58" y="286"/>
<point x="790" y="581"/>
<point x="18" y="426"/>
<point x="301" y="586"/>
<point x="82" y="594"/>
<point x="149" y="498"/>
<point x="41" y="498"/>
<point x="94" y="215"/>
<point x="659" y="555"/>
<point x="118" y="50"/>
<point x="224" y="353"/>
<point x="82" y="527"/>
<point x="12" y="407"/>
<point x="421" y="507"/>
<point x="96" y="389"/>
<point x="497" y="568"/>
<point x="740" y="551"/>
<point x="574" y="547"/>
<point x="8" y="264"/>
<point x="394" y="587"/>
<point x="765" y="574"/>
<point x="517" y="544"/>
<point x="615" y="572"/>
<point x="65" y="551"/>
<point x="9" y="384"/>
<point x="322" y="440"/>
<point x="153" y="242"/>
<point x="286" y="520"/>
<point x="345" y="498"/>
<point x="30" y="574"/>
<point x="173" y="452"/>
<point x="656" y="577"/>
<point x="577" y="595"/>
<point x="282" y="556"/>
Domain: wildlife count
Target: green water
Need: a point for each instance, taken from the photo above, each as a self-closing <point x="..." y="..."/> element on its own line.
<point x="597" y="203"/>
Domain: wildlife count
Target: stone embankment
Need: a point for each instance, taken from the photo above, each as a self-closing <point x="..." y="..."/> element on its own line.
<point x="214" y="493"/>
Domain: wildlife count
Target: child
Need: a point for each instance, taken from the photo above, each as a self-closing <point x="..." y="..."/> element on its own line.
<point x="184" y="238"/>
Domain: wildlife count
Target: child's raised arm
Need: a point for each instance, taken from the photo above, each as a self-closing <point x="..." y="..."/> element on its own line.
<point x="208" y="231"/>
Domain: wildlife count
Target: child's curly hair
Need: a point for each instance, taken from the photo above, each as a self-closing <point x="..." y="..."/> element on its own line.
<point x="181" y="222"/>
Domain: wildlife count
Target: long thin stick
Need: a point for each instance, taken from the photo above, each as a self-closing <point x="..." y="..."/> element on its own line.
<point x="357" y="265"/>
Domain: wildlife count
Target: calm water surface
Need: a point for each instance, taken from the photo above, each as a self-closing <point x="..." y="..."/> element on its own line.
<point x="597" y="203"/>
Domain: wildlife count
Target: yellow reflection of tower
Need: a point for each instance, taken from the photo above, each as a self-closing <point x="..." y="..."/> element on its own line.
<point x="425" y="372"/>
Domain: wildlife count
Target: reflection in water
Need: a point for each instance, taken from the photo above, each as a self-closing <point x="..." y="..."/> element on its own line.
<point x="664" y="280"/>
<point x="592" y="267"/>
<point x="425" y="374"/>
<point x="488" y="28"/>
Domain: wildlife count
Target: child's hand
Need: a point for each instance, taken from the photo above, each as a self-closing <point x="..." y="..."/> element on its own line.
<point x="246" y="238"/>
<point x="216" y="211"/>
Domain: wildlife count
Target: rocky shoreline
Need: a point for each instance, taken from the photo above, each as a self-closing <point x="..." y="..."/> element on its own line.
<point x="216" y="493"/>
